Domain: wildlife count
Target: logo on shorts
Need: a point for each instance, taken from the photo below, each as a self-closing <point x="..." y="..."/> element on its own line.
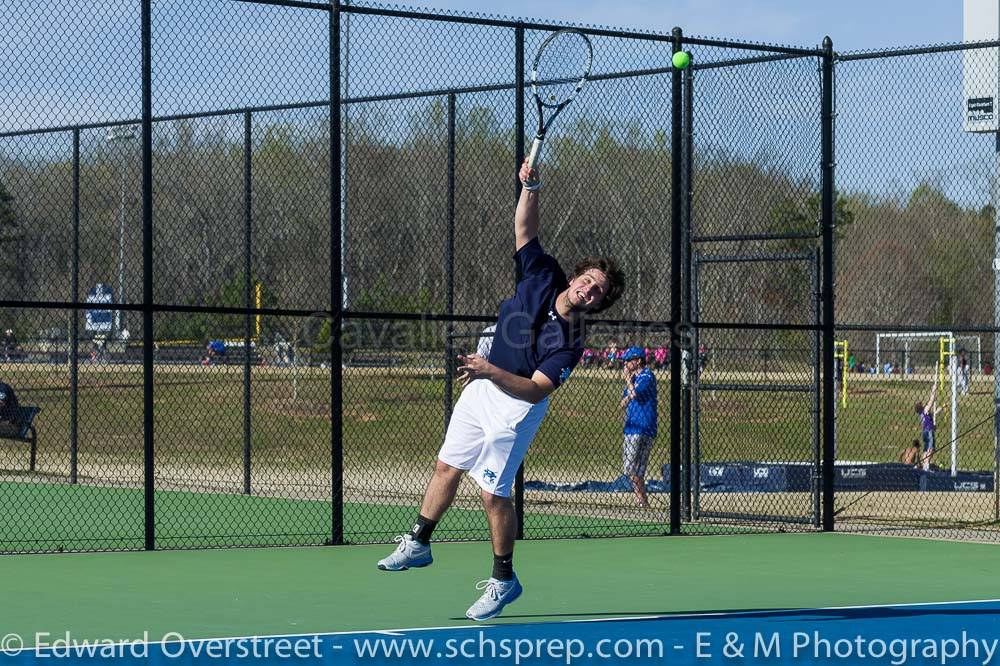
<point x="552" y="315"/>
<point x="489" y="476"/>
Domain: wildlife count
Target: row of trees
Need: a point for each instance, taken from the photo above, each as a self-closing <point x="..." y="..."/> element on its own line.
<point x="918" y="260"/>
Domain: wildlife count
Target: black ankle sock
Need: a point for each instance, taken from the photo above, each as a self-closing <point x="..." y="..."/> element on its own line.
<point x="503" y="566"/>
<point x="422" y="529"/>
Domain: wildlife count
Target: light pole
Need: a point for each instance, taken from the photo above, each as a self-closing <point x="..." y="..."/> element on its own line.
<point x="121" y="134"/>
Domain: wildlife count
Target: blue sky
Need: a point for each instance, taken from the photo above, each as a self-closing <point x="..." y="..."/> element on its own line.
<point x="76" y="61"/>
<point x="899" y="120"/>
<point x="853" y="24"/>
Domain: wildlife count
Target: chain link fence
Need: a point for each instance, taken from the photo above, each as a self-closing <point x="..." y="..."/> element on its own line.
<point x="234" y="307"/>
<point x="916" y="298"/>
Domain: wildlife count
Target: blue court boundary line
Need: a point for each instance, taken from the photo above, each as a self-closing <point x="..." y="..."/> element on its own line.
<point x="762" y="613"/>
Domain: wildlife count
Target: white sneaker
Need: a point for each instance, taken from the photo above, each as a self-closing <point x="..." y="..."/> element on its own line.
<point x="409" y="553"/>
<point x="498" y="593"/>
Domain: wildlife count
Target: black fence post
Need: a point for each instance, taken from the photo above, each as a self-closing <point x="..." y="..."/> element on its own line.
<point x="996" y="444"/>
<point x="817" y="406"/>
<point x="248" y="289"/>
<point x="336" y="289"/>
<point x="74" y="325"/>
<point x="147" y="272"/>
<point x="695" y="390"/>
<point x="996" y="332"/>
<point x="676" y="270"/>
<point x="449" y="269"/>
<point x="518" y="158"/>
<point x="829" y="324"/>
<point x="692" y="353"/>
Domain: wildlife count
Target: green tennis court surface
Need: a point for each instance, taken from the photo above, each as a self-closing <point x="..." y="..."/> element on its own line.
<point x="77" y="517"/>
<point x="322" y="589"/>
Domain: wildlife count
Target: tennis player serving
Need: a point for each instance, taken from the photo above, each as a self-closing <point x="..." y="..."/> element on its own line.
<point x="538" y="341"/>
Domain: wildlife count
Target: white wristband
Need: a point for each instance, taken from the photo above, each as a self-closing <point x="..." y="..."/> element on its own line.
<point x="537" y="185"/>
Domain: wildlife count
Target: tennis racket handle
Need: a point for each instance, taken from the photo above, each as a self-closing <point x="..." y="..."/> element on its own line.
<point x="536" y="149"/>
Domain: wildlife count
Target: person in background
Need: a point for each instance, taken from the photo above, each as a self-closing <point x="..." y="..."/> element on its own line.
<point x="9" y="345"/>
<point x="611" y="354"/>
<point x="660" y="357"/>
<point x="485" y="343"/>
<point x="8" y="404"/>
<point x="639" y="402"/>
<point x="927" y="412"/>
<point x="910" y="456"/>
<point x="962" y="372"/>
<point x="216" y="352"/>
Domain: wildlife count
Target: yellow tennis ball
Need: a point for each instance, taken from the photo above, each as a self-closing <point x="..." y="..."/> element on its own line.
<point x="681" y="59"/>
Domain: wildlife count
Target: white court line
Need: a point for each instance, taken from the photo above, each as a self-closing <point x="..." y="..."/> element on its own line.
<point x="923" y="537"/>
<point x="737" y="613"/>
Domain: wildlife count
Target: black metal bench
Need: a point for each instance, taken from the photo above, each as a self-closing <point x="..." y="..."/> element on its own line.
<point x="23" y="430"/>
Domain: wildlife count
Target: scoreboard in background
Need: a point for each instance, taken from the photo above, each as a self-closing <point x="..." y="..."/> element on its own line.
<point x="980" y="67"/>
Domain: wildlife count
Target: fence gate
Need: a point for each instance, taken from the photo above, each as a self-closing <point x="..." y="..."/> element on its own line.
<point x="755" y="406"/>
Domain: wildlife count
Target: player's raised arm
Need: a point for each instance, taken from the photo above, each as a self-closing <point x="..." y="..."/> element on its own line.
<point x="933" y="397"/>
<point x="526" y="215"/>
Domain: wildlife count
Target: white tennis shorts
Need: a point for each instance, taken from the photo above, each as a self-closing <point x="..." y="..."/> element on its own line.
<point x="489" y="434"/>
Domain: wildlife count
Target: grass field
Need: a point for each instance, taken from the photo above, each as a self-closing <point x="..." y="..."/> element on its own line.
<point x="393" y="423"/>
<point x="398" y="413"/>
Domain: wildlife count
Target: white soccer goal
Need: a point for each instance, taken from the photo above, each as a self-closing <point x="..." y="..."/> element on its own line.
<point x="934" y="357"/>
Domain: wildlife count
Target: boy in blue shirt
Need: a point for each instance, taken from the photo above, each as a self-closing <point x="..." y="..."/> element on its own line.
<point x="537" y="342"/>
<point x="639" y="403"/>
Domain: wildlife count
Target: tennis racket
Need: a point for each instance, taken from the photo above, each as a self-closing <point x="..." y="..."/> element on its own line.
<point x="559" y="70"/>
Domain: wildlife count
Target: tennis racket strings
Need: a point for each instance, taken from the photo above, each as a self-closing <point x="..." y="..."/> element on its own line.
<point x="559" y="70"/>
<point x="561" y="67"/>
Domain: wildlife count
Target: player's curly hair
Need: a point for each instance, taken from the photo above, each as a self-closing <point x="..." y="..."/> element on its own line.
<point x="615" y="275"/>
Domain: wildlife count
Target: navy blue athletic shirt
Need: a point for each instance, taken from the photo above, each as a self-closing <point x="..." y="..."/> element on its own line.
<point x="530" y="333"/>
